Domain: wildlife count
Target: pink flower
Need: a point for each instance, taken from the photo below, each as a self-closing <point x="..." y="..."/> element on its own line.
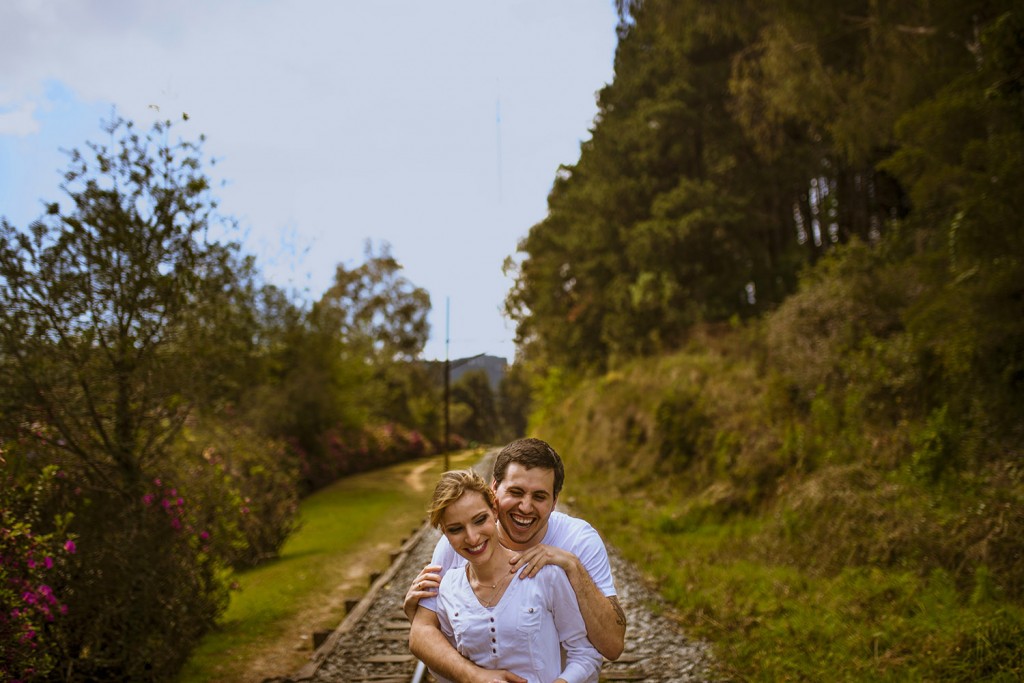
<point x="48" y="562"/>
<point x="69" y="546"/>
<point x="176" y="523"/>
<point x="148" y="499"/>
<point x="204" y="535"/>
<point x="157" y="481"/>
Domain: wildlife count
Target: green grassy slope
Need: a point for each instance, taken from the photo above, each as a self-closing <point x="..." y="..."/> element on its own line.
<point x="802" y="545"/>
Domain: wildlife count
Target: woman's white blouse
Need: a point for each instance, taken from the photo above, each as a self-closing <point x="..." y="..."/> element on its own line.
<point x="522" y="633"/>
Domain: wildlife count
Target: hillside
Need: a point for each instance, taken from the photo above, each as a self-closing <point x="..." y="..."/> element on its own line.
<point x="803" y="545"/>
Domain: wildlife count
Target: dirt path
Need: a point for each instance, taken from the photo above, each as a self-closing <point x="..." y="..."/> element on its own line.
<point x="415" y="478"/>
<point x="290" y="652"/>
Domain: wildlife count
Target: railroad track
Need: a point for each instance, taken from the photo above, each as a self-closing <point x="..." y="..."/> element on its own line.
<point x="371" y="645"/>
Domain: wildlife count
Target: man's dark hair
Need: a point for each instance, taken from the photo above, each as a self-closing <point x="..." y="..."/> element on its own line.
<point x="530" y="453"/>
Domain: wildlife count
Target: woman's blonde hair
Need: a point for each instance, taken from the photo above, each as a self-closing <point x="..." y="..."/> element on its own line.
<point x="451" y="487"/>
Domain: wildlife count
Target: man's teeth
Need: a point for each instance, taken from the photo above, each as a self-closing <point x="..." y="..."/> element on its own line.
<point x="522" y="521"/>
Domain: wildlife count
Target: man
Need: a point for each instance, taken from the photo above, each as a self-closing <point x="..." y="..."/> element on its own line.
<point x="528" y="477"/>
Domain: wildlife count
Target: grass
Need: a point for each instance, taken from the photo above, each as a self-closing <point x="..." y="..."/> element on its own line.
<point x="774" y="622"/>
<point x="802" y="546"/>
<point x="347" y="531"/>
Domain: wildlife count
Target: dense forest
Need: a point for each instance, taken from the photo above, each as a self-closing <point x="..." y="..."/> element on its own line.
<point x="774" y="318"/>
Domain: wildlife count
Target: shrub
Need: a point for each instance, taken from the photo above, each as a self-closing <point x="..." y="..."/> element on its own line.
<point x="142" y="588"/>
<point x="141" y="591"/>
<point x="31" y="568"/>
<point x="245" y="489"/>
<point x="349" y="452"/>
<point x="682" y="427"/>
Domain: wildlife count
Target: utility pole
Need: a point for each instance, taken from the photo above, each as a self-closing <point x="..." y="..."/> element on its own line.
<point x="447" y="380"/>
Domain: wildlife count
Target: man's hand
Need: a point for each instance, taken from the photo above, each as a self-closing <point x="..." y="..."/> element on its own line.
<point x="540" y="555"/>
<point x="423" y="586"/>
<point x="502" y="677"/>
<point x="603" y="617"/>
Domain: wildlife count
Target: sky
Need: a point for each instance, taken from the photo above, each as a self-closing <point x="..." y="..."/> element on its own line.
<point x="434" y="127"/>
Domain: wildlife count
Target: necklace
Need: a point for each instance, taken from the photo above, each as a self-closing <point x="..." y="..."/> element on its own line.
<point x="500" y="583"/>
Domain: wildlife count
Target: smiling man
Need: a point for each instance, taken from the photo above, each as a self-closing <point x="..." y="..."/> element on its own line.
<point x="528" y="477"/>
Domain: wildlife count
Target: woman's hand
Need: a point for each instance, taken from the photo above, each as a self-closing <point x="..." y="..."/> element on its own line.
<point x="423" y="586"/>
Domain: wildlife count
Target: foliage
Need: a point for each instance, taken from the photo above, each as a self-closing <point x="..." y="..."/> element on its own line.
<point x="375" y="311"/>
<point x="31" y="565"/>
<point x="371" y="447"/>
<point x="774" y="325"/>
<point x="804" y="536"/>
<point x="144" y="588"/>
<point x="513" y="403"/>
<point x="742" y="141"/>
<point x="245" y="488"/>
<point x="681" y="428"/>
<point x="98" y="302"/>
<point x="479" y="422"/>
<point x="348" y="529"/>
<point x="118" y="320"/>
<point x="336" y="372"/>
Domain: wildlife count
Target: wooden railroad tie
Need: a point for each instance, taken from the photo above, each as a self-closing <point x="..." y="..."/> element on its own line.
<point x="389" y="659"/>
<point x="622" y="676"/>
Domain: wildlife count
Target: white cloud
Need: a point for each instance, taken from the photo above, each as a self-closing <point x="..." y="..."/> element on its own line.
<point x="19" y="120"/>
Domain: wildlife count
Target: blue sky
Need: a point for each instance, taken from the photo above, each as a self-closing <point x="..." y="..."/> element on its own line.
<point x="333" y="122"/>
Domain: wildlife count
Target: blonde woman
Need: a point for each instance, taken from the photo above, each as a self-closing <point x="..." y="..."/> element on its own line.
<point x="494" y="621"/>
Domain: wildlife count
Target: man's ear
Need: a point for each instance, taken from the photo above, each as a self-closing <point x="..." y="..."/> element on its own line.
<point x="494" y="485"/>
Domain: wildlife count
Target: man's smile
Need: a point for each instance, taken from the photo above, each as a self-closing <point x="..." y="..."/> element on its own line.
<point x="521" y="521"/>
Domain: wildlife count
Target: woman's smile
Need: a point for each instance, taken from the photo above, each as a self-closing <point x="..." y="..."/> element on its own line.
<point x="477" y="549"/>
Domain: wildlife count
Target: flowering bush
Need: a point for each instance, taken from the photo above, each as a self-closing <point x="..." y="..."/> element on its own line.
<point x="125" y="597"/>
<point x="246" y="491"/>
<point x="143" y="589"/>
<point x="31" y="565"/>
<point x="373" y="446"/>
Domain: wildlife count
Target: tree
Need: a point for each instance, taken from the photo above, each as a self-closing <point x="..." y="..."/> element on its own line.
<point x="514" y="402"/>
<point x="376" y="313"/>
<point x="347" y="364"/>
<point x="115" y="314"/>
<point x="479" y="414"/>
<point x="106" y="306"/>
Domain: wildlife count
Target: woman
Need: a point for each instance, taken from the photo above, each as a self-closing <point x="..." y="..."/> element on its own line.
<point x="492" y="620"/>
